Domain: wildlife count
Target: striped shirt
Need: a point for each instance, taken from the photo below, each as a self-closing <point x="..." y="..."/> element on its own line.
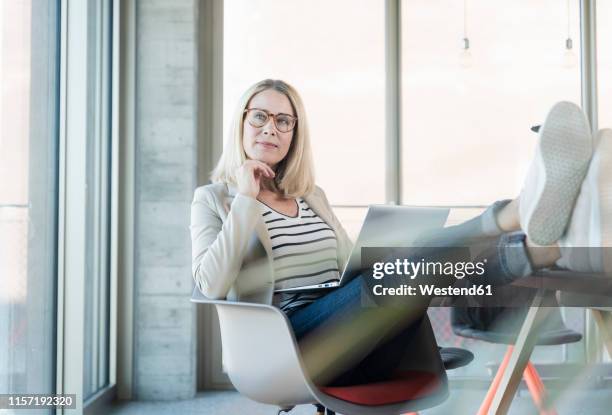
<point x="304" y="250"/>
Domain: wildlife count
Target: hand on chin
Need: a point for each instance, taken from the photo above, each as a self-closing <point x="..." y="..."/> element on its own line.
<point x="265" y="159"/>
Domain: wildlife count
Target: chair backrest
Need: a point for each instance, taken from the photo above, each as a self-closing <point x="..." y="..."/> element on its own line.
<point x="260" y="354"/>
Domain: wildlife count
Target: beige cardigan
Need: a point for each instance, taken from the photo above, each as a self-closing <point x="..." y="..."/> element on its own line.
<point x="231" y="249"/>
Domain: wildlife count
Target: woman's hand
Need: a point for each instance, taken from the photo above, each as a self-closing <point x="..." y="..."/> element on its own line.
<point x="249" y="176"/>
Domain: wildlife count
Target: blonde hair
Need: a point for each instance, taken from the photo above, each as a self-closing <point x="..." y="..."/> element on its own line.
<point x="295" y="173"/>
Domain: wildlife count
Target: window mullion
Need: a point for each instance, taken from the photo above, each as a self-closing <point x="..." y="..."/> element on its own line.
<point x="588" y="76"/>
<point x="589" y="60"/>
<point x="73" y="197"/>
<point x="393" y="93"/>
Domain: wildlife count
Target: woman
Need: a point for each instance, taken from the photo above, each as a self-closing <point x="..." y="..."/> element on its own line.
<point x="264" y="226"/>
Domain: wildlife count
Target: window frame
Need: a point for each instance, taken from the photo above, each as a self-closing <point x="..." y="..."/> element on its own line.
<point x="76" y="86"/>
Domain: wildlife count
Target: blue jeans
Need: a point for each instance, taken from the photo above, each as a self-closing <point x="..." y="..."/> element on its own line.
<point x="339" y="305"/>
<point x="506" y="258"/>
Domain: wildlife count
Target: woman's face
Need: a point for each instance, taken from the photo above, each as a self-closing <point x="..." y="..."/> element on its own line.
<point x="266" y="143"/>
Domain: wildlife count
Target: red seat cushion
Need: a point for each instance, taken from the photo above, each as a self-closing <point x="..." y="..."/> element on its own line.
<point x="405" y="386"/>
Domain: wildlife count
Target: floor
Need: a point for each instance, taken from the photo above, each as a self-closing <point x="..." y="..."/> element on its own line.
<point x="461" y="401"/>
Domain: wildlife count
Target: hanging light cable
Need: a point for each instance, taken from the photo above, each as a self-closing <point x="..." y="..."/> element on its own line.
<point x="466" y="40"/>
<point x="569" y="57"/>
<point x="466" y="55"/>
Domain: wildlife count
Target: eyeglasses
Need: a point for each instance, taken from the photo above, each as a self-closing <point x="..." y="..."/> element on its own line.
<point x="258" y="118"/>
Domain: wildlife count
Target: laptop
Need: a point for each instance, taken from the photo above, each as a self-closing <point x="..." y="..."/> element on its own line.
<point x="384" y="226"/>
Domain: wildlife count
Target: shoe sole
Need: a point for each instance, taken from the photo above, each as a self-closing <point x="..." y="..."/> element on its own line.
<point x="604" y="191"/>
<point x="565" y="147"/>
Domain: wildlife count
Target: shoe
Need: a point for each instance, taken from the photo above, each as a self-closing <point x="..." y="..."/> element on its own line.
<point x="583" y="247"/>
<point x="556" y="173"/>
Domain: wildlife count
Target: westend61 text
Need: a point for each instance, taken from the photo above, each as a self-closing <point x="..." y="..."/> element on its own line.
<point x="432" y="290"/>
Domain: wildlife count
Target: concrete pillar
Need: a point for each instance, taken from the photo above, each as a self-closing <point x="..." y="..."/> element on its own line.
<point x="166" y="108"/>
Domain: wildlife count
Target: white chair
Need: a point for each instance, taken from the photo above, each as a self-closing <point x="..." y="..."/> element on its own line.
<point x="262" y="359"/>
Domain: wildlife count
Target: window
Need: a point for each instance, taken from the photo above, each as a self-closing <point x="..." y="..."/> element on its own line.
<point x="29" y="56"/>
<point x="466" y="116"/>
<point x="334" y="56"/>
<point x="604" y="72"/>
<point x="604" y="63"/>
